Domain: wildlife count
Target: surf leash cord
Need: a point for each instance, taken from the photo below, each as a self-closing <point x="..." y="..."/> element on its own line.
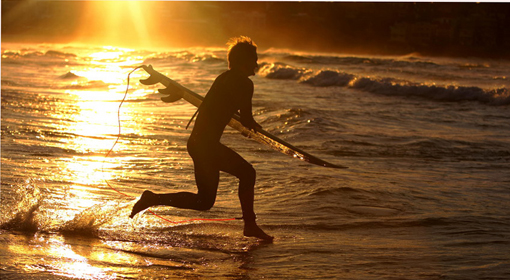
<point x="115" y="143"/>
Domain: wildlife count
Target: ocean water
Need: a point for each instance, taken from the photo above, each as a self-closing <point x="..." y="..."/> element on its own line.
<point x="426" y="195"/>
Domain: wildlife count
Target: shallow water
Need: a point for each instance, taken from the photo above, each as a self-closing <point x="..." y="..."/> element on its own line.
<point x="427" y="142"/>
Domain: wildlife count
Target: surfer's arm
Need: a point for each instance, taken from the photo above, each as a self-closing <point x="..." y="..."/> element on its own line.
<point x="246" y="107"/>
<point x="249" y="121"/>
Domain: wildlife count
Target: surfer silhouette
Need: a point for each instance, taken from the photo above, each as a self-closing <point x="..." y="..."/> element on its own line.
<point x="231" y="92"/>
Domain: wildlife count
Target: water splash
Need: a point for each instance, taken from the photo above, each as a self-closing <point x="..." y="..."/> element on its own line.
<point x="22" y="213"/>
<point x="89" y="221"/>
<point x="28" y="209"/>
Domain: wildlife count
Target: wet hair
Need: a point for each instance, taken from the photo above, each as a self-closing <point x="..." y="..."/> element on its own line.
<point x="239" y="48"/>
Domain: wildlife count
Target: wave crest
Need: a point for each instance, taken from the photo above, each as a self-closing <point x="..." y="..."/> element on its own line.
<point x="450" y="93"/>
<point x="384" y="86"/>
<point x="326" y="78"/>
<point x="281" y="71"/>
<point x="184" y="56"/>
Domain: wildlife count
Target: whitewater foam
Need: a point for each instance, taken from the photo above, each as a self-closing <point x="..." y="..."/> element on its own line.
<point x="385" y="86"/>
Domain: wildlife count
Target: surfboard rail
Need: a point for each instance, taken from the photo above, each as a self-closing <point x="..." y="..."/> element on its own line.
<point x="176" y="91"/>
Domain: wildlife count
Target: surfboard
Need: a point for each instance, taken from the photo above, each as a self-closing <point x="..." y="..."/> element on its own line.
<point x="176" y="91"/>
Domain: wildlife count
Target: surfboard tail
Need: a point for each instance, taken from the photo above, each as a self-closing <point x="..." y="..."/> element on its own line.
<point x="173" y="92"/>
<point x="153" y="79"/>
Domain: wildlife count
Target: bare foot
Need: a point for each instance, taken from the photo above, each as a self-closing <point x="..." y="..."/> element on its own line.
<point x="251" y="229"/>
<point x="143" y="203"/>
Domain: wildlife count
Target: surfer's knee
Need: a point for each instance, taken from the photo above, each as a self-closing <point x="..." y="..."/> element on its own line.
<point x="249" y="174"/>
<point x="206" y="203"/>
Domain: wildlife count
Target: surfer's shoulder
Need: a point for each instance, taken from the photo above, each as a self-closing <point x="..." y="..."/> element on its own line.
<point x="238" y="81"/>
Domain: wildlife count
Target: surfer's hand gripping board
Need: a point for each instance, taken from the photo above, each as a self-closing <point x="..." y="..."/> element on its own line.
<point x="175" y="91"/>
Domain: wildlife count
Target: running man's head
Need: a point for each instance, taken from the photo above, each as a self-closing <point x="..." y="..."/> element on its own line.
<point x="242" y="55"/>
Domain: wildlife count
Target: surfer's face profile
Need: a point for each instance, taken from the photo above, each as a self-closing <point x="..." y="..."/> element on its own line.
<point x="250" y="65"/>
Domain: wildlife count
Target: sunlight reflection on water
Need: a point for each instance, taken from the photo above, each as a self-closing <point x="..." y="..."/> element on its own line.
<point x="421" y="173"/>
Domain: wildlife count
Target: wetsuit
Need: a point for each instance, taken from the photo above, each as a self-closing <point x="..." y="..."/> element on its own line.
<point x="231" y="92"/>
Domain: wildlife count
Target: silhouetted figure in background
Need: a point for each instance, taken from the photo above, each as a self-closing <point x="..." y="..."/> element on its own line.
<point x="231" y="92"/>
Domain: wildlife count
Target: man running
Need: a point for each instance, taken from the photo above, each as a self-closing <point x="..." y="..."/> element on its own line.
<point x="231" y="92"/>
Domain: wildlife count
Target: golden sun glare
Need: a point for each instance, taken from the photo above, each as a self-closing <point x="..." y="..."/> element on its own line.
<point x="120" y="23"/>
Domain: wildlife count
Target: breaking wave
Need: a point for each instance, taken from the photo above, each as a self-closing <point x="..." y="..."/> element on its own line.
<point x="184" y="56"/>
<point x="385" y="86"/>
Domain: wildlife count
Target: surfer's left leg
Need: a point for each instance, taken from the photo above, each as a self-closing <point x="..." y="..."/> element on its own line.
<point x="202" y="201"/>
<point x="232" y="163"/>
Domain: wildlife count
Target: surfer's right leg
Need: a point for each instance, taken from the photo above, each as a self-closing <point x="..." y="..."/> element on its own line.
<point x="232" y="163"/>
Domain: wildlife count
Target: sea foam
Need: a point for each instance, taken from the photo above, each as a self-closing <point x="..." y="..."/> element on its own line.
<point x="385" y="86"/>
